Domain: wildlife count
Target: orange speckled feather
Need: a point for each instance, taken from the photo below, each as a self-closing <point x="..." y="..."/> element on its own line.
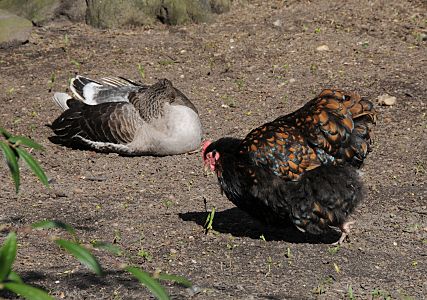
<point x="324" y="131"/>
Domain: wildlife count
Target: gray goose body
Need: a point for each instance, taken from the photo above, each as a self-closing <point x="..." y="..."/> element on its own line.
<point x="118" y="115"/>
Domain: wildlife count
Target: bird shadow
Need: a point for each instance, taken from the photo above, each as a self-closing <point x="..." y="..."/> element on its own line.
<point x="237" y="223"/>
<point x="84" y="280"/>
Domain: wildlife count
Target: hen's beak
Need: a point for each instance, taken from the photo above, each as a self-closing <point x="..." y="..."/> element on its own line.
<point x="207" y="168"/>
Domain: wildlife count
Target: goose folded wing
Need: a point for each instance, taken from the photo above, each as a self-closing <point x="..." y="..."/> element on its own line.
<point x="112" y="122"/>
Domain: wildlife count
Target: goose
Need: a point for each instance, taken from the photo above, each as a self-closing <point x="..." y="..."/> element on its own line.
<point x="118" y="115"/>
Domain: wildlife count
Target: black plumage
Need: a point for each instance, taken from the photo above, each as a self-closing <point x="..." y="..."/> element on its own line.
<point x="300" y="167"/>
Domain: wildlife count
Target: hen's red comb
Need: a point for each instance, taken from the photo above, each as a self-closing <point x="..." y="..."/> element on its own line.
<point x="205" y="144"/>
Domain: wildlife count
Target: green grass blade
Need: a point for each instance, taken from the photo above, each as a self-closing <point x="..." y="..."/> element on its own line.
<point x="109" y="247"/>
<point x="14" y="277"/>
<point x="152" y="284"/>
<point x="34" y="165"/>
<point x="22" y="140"/>
<point x="81" y="254"/>
<point x="53" y="224"/>
<point x="7" y="255"/>
<point x="27" y="291"/>
<point x="209" y="220"/>
<point x="5" y="133"/>
<point x="175" y="278"/>
<point x="141" y="71"/>
<point x="12" y="162"/>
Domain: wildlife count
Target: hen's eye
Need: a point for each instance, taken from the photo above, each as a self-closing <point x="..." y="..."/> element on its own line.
<point x="215" y="155"/>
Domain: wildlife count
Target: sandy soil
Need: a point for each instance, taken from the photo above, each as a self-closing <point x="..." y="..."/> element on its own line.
<point x="251" y="65"/>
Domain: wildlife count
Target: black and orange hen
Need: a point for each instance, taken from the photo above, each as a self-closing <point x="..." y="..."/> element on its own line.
<point x="300" y="167"/>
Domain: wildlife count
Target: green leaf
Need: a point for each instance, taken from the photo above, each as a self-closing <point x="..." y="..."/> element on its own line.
<point x="152" y="284"/>
<point x="14" y="277"/>
<point x="12" y="162"/>
<point x="7" y="255"/>
<point x="175" y="278"/>
<point x="54" y="224"/>
<point x="5" y="133"/>
<point x="25" y="141"/>
<point x="81" y="254"/>
<point x="109" y="247"/>
<point x="27" y="291"/>
<point x="209" y="220"/>
<point x="34" y="165"/>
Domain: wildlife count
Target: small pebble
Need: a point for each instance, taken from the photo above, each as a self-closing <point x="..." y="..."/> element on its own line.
<point x="277" y="23"/>
<point x="386" y="100"/>
<point x="323" y="48"/>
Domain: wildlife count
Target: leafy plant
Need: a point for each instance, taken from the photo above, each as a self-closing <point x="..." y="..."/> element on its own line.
<point x="289" y="255"/>
<point x="155" y="288"/>
<point x="380" y="294"/>
<point x="76" y="64"/>
<point x="269" y="263"/>
<point x="323" y="285"/>
<point x="66" y="43"/>
<point x="74" y="248"/>
<point x="51" y="81"/>
<point x="11" y="281"/>
<point x="334" y="250"/>
<point x="350" y="293"/>
<point x="240" y="84"/>
<point x="141" y="71"/>
<point x="209" y="220"/>
<point x="174" y="278"/>
<point x="166" y="62"/>
<point x="86" y="257"/>
<point x="145" y="254"/>
<point x="11" y="147"/>
<point x="109" y="247"/>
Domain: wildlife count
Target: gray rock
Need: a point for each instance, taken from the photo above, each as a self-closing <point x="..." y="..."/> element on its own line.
<point x="111" y="13"/>
<point x="38" y="11"/>
<point x="14" y="30"/>
<point x="220" y="6"/>
<point x="42" y="11"/>
<point x="74" y="10"/>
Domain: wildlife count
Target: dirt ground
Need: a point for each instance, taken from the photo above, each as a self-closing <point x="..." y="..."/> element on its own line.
<point x="249" y="66"/>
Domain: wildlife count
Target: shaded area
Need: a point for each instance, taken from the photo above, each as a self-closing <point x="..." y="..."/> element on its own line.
<point x="239" y="224"/>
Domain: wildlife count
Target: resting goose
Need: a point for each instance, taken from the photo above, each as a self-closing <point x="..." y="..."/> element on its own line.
<point x="122" y="116"/>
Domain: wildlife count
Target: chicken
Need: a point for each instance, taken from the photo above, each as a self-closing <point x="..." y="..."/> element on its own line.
<point x="118" y="115"/>
<point x="301" y="167"/>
